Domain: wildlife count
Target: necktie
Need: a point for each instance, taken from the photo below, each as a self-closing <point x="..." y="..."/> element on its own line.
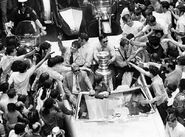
<point x="77" y="83"/>
<point x="71" y="59"/>
<point x="125" y="54"/>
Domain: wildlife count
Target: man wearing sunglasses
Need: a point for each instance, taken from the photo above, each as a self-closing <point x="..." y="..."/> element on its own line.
<point x="76" y="81"/>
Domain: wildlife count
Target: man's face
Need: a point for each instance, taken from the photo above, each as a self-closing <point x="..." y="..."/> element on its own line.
<point x="152" y="23"/>
<point x="81" y="41"/>
<point x="73" y="49"/>
<point x="23" y="7"/>
<point x="126" y="46"/>
<point x="172" y="124"/>
<point x="129" y="22"/>
<point x="104" y="42"/>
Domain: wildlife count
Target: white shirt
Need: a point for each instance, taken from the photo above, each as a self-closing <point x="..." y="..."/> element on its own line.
<point x="52" y="73"/>
<point x="178" y="131"/>
<point x="158" y="26"/>
<point x="159" y="90"/>
<point x="86" y="51"/>
<point x="5" y="64"/>
<point x="181" y="25"/>
<point x="12" y="134"/>
<point x="171" y="100"/>
<point x="21" y="80"/>
<point x="5" y="100"/>
<point x="134" y="29"/>
<point x="124" y="12"/>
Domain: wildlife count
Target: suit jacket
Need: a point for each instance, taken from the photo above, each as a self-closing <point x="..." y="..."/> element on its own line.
<point x="84" y="82"/>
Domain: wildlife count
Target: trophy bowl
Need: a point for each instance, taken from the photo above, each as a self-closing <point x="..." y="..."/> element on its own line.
<point x="103" y="57"/>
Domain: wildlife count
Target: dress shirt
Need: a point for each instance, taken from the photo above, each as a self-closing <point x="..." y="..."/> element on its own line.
<point x="86" y="51"/>
<point x="159" y="90"/>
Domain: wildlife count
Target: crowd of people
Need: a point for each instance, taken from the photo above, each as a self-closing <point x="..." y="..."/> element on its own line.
<point x="35" y="85"/>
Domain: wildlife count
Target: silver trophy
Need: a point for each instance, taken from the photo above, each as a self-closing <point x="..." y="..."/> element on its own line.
<point x="103" y="69"/>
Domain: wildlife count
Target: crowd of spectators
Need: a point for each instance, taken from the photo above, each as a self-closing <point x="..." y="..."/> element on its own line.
<point x="35" y="85"/>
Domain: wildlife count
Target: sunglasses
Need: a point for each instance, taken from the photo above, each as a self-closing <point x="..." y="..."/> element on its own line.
<point x="76" y="70"/>
<point x="105" y="41"/>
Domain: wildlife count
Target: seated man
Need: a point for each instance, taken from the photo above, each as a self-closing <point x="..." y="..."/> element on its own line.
<point x="123" y="54"/>
<point x="107" y="48"/>
<point x="76" y="81"/>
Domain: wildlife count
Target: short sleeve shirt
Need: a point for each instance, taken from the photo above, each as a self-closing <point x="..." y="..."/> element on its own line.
<point x="21" y="80"/>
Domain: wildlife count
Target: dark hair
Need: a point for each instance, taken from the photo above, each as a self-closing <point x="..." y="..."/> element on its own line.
<point x="181" y="60"/>
<point x="44" y="76"/>
<point x="165" y="4"/>
<point x="21" y="51"/>
<point x="182" y="85"/>
<point x="4" y="87"/>
<point x="84" y="36"/>
<point x="1" y="46"/>
<point x="76" y="44"/>
<point x="45" y="45"/>
<point x="130" y="36"/>
<point x="22" y="98"/>
<point x="23" y="66"/>
<point x="54" y="93"/>
<point x="33" y="116"/>
<point x="11" y="107"/>
<point x="47" y="84"/>
<point x="123" y="42"/>
<point x="172" y="87"/>
<point x="102" y="36"/>
<point x="19" y="128"/>
<point x="171" y="117"/>
<point x="150" y="19"/>
<point x="48" y="104"/>
<point x="9" y="50"/>
<point x="138" y="11"/>
<point x="12" y="41"/>
<point x="11" y="93"/>
<point x="19" y="106"/>
<point x="171" y="65"/>
<point x="55" y="60"/>
<point x="154" y="41"/>
<point x="181" y="8"/>
<point x="16" y="65"/>
<point x="153" y="70"/>
<point x="126" y="17"/>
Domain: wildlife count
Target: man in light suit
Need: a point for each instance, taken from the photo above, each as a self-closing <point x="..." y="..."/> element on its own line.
<point x="76" y="81"/>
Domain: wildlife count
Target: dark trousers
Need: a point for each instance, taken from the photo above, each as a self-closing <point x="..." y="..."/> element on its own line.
<point x="120" y="71"/>
<point x="162" y="108"/>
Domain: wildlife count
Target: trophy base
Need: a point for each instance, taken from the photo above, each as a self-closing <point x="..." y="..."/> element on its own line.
<point x="103" y="72"/>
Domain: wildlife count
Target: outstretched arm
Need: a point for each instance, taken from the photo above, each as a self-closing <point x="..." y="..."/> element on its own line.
<point x="174" y="42"/>
<point x="146" y="73"/>
<point x="44" y="59"/>
<point x="136" y="53"/>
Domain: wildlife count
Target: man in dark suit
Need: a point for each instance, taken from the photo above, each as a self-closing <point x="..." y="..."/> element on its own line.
<point x="76" y="81"/>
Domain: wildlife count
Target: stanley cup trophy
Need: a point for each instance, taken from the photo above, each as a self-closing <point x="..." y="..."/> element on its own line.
<point x="103" y="69"/>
